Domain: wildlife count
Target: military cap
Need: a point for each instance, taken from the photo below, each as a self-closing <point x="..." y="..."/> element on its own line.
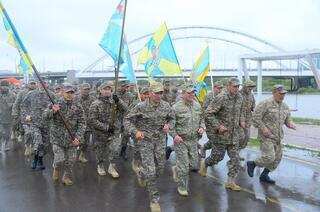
<point x="67" y="87"/>
<point x="85" y="86"/>
<point x="106" y="84"/>
<point x="4" y="83"/>
<point x="188" y="87"/>
<point x="234" y="81"/>
<point x="144" y="90"/>
<point x="156" y="87"/>
<point x="123" y="83"/>
<point x="279" y="88"/>
<point x="32" y="81"/>
<point x="218" y="84"/>
<point x="59" y="86"/>
<point x="249" y="83"/>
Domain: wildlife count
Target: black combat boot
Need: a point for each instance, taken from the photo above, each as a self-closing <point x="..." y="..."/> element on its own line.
<point x="250" y="168"/>
<point x="168" y="152"/>
<point x="264" y="177"/>
<point x="35" y="161"/>
<point x="40" y="164"/>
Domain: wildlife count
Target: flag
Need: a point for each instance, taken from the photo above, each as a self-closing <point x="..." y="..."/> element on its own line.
<point x="158" y="55"/>
<point x="110" y="43"/>
<point x="201" y="91"/>
<point x="201" y="67"/>
<point x="24" y="65"/>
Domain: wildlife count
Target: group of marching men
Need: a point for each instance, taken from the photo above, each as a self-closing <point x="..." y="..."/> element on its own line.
<point x="74" y="116"/>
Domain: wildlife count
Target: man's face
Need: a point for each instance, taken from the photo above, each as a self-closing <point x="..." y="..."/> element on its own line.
<point x="156" y="96"/>
<point x="106" y="92"/>
<point x="84" y="91"/>
<point x="32" y="85"/>
<point x="69" y="96"/>
<point x="233" y="89"/>
<point x="188" y="96"/>
<point x="278" y="96"/>
<point x="249" y="89"/>
<point x="217" y="89"/>
<point x="144" y="96"/>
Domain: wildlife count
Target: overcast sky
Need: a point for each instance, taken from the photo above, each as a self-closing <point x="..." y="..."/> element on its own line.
<point x="64" y="34"/>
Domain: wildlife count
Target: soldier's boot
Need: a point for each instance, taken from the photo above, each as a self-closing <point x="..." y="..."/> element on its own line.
<point x="55" y="174"/>
<point x="135" y="166"/>
<point x="66" y="180"/>
<point x="242" y="158"/>
<point x="155" y="206"/>
<point x="203" y="168"/>
<point x="40" y="165"/>
<point x="250" y="168"/>
<point x="174" y="174"/>
<point x="169" y="150"/>
<point x="101" y="170"/>
<point x="82" y="158"/>
<point x="123" y="152"/>
<point x="264" y="177"/>
<point x="34" y="161"/>
<point x="182" y="190"/>
<point x="232" y="185"/>
<point x="112" y="171"/>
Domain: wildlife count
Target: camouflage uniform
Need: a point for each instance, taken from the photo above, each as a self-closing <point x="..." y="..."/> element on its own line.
<point x="228" y="111"/>
<point x="272" y="115"/>
<point x="64" y="153"/>
<point x="6" y="102"/>
<point x="99" y="119"/>
<point x="37" y="130"/>
<point x="149" y="118"/>
<point x="187" y="122"/>
<point x="249" y="105"/>
<point x="86" y="101"/>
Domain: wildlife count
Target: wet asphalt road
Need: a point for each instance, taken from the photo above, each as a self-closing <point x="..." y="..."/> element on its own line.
<point x="297" y="189"/>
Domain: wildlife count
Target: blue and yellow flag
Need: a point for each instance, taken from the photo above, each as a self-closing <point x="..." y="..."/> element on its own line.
<point x="201" y="91"/>
<point x="201" y="67"/>
<point x="24" y="65"/>
<point x="159" y="56"/>
<point x="111" y="40"/>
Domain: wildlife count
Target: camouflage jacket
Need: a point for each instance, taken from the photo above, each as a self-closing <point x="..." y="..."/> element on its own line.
<point x="149" y="118"/>
<point x="34" y="104"/>
<point x="249" y="105"/>
<point x="100" y="113"/>
<point x="169" y="97"/>
<point x="16" y="108"/>
<point x="272" y="115"/>
<point x="188" y="119"/>
<point x="85" y="102"/>
<point x="228" y="111"/>
<point x="6" y="102"/>
<point x="73" y="114"/>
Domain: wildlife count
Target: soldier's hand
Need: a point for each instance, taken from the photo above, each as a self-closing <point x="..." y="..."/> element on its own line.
<point x="55" y="108"/>
<point x="292" y="126"/>
<point x="201" y="130"/>
<point x="115" y="98"/>
<point x="243" y="124"/>
<point x="177" y="139"/>
<point x="75" y="142"/>
<point x="28" y="118"/>
<point x="222" y="129"/>
<point x="166" y="128"/>
<point x="266" y="132"/>
<point x="139" y="136"/>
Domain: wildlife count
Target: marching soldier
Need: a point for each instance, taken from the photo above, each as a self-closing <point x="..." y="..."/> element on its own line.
<point x="149" y="122"/>
<point x="269" y="117"/>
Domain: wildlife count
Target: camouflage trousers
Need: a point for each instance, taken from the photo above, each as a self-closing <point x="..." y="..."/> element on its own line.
<point x="271" y="155"/>
<point x="64" y="158"/>
<point x="244" y="142"/>
<point x="85" y="141"/>
<point x="153" y="159"/>
<point x="38" y="138"/>
<point x="186" y="159"/>
<point x="5" y="132"/>
<point x="218" y="152"/>
<point x="107" y="149"/>
<point x="136" y="152"/>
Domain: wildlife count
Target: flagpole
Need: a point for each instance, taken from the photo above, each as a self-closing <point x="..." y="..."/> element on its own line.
<point x="175" y="55"/>
<point x="24" y="52"/>
<point x="113" y="114"/>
